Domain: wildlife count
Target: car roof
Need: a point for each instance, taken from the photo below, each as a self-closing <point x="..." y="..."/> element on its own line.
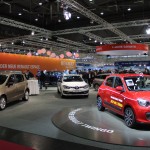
<point x="128" y="75"/>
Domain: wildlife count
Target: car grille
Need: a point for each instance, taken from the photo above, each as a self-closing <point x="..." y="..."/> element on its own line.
<point x="70" y="92"/>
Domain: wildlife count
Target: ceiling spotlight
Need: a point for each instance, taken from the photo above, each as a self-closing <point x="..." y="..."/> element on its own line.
<point x="19" y="14"/>
<point x="148" y="30"/>
<point x="102" y="13"/>
<point x="40" y="3"/>
<point x="36" y="19"/>
<point x="129" y="9"/>
<point x="59" y="20"/>
<point x="12" y="43"/>
<point x="78" y="17"/>
<point x="32" y="33"/>
<point x="91" y="21"/>
<point x="95" y="41"/>
<point x="67" y="14"/>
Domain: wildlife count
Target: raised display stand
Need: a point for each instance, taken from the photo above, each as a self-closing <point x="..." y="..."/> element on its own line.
<point x="107" y="127"/>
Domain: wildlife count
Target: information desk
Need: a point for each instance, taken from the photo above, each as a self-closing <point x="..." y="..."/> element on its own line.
<point x="33" y="86"/>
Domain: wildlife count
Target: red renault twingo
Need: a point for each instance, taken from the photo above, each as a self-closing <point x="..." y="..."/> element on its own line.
<point x="127" y="95"/>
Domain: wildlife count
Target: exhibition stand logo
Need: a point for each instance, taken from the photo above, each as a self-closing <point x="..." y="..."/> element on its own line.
<point x="72" y="118"/>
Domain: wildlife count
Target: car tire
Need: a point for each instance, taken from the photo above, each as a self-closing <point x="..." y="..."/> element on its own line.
<point x="129" y="117"/>
<point x="96" y="87"/>
<point x="26" y="96"/>
<point x="3" y="103"/>
<point x="100" y="104"/>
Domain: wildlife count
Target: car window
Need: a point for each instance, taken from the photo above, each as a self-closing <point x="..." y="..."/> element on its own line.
<point x="118" y="82"/>
<point x="138" y="83"/>
<point x="72" y="78"/>
<point x="101" y="76"/>
<point x="109" y="81"/>
<point x="3" y="79"/>
<point x="11" y="78"/>
<point x="19" y="78"/>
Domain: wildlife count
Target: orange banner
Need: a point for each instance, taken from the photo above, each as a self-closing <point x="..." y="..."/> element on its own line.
<point x="33" y="63"/>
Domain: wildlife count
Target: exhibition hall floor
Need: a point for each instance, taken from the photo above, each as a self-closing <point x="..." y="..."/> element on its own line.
<point x="48" y="122"/>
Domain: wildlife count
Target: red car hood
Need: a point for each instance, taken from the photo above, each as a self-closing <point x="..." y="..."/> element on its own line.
<point x="142" y="94"/>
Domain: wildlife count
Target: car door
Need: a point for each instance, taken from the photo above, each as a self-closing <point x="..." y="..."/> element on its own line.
<point x="10" y="88"/>
<point x="106" y="90"/>
<point x="117" y="96"/>
<point x="20" y="84"/>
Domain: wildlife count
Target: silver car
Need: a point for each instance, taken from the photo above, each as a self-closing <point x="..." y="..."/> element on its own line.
<point x="72" y="85"/>
<point x="98" y="80"/>
<point x="13" y="86"/>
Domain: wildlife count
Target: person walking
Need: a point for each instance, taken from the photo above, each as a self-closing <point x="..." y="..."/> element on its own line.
<point x="42" y="79"/>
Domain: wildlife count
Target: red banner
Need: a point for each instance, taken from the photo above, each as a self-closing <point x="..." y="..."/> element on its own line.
<point x="122" y="49"/>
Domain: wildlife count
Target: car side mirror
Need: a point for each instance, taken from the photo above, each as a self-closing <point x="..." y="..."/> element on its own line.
<point x="119" y="88"/>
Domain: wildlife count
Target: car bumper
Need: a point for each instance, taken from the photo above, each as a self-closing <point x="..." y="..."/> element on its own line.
<point x="143" y="115"/>
<point x="76" y="92"/>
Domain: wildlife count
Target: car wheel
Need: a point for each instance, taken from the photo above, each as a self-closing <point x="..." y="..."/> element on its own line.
<point x="129" y="117"/>
<point x="26" y="95"/>
<point x="96" y="87"/>
<point x="2" y="103"/>
<point x="100" y="104"/>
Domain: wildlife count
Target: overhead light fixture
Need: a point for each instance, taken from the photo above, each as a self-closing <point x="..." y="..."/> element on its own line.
<point x="36" y="19"/>
<point x="59" y="20"/>
<point x="32" y="33"/>
<point x="102" y="13"/>
<point x="148" y="30"/>
<point x="40" y="3"/>
<point x="129" y="9"/>
<point x="19" y="14"/>
<point x="67" y="14"/>
<point x="95" y="41"/>
<point x="91" y="21"/>
<point x="78" y="17"/>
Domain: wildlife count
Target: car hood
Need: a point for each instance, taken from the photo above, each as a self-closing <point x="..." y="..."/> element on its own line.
<point x="142" y="94"/>
<point x="75" y="83"/>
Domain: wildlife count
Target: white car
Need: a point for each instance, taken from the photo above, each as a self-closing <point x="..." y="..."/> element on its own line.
<point x="72" y="85"/>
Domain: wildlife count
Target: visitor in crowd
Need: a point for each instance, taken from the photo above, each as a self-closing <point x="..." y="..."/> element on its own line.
<point x="29" y="75"/>
<point x="42" y="79"/>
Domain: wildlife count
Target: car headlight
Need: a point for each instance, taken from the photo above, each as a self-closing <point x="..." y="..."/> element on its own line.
<point x="66" y="87"/>
<point x="143" y="102"/>
<point x="86" y="86"/>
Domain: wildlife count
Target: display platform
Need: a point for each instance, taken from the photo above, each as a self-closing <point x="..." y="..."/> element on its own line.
<point x="107" y="127"/>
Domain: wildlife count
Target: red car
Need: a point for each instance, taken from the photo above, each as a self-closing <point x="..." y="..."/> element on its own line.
<point x="127" y="95"/>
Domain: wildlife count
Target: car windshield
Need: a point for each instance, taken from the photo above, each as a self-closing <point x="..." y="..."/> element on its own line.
<point x="3" y="79"/>
<point x="138" y="83"/>
<point x="72" y="79"/>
